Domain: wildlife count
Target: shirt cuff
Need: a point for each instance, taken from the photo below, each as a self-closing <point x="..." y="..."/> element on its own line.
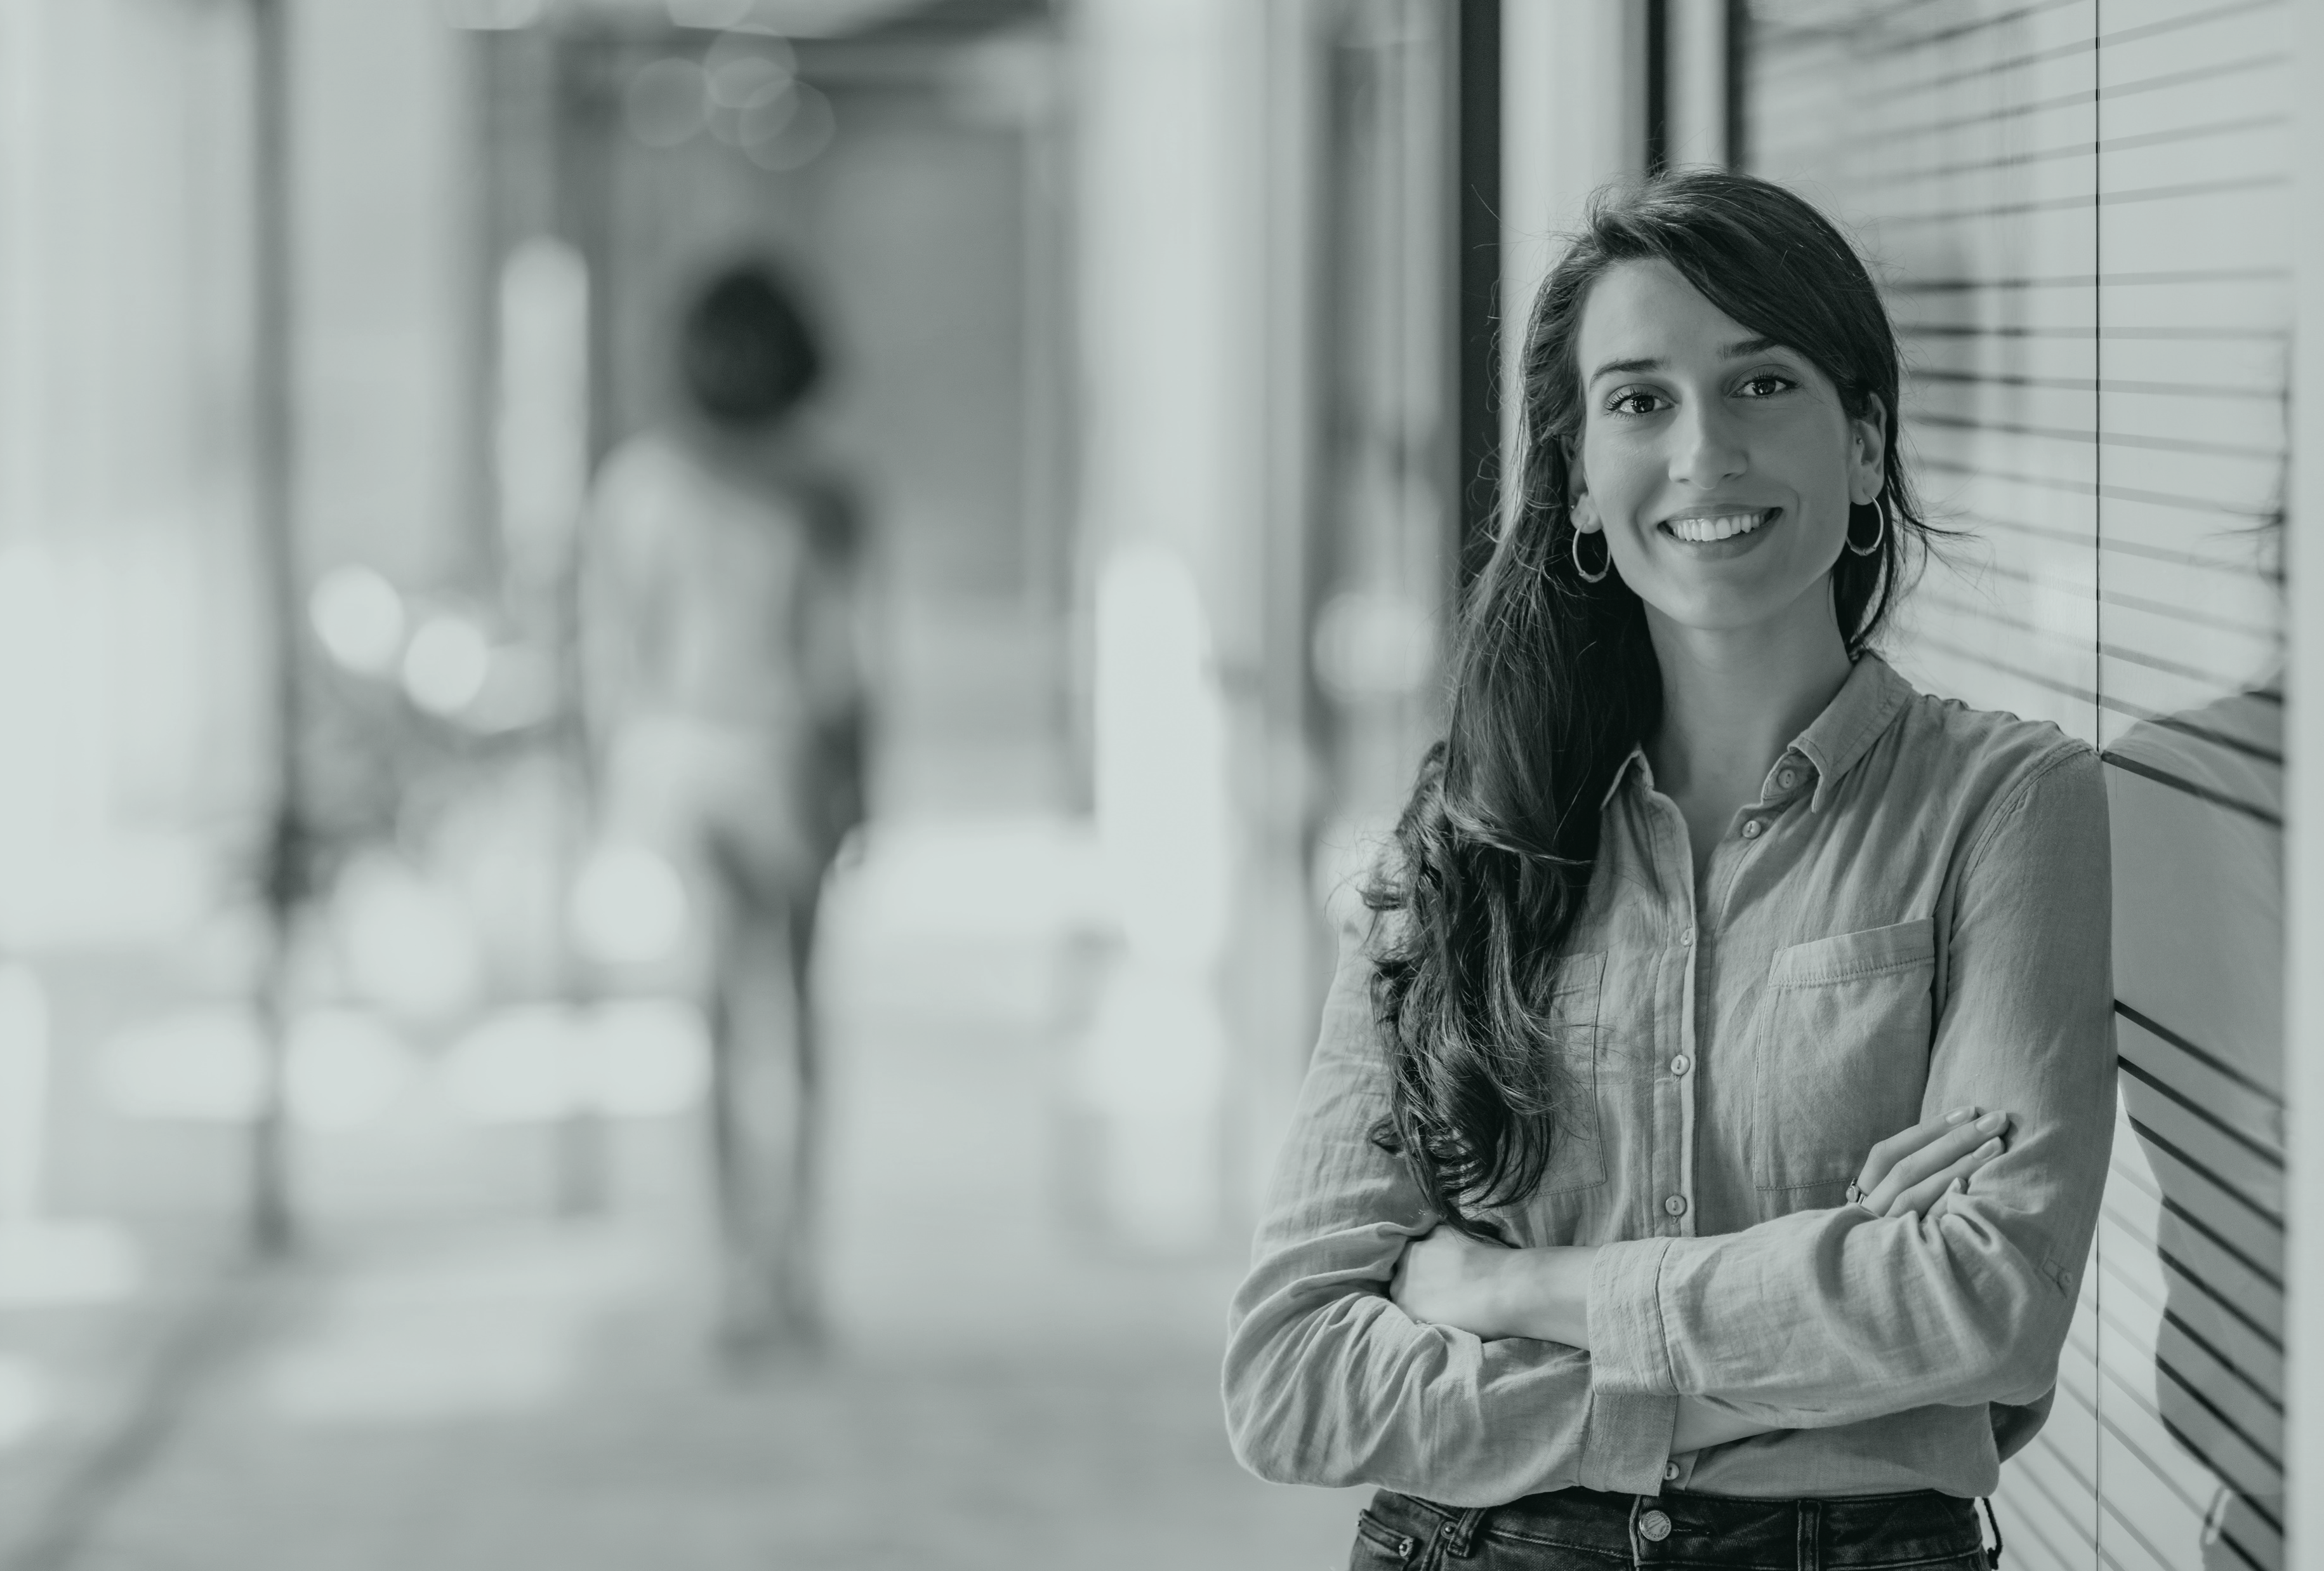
<point x="1629" y="1352"/>
<point x="1626" y="1443"/>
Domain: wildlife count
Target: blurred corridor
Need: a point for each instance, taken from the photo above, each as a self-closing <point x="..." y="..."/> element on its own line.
<point x="360" y="1059"/>
<point x="357" y="1202"/>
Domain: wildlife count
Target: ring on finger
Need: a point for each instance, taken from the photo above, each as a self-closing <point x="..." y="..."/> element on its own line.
<point x="1856" y="1195"/>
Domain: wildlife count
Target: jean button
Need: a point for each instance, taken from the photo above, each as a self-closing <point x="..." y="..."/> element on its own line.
<point x="1654" y="1526"/>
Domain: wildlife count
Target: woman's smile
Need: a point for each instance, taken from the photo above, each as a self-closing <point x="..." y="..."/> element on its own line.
<point x="1713" y="536"/>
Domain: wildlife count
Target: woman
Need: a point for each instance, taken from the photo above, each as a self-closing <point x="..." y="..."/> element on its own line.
<point x="1576" y="1248"/>
<point x="720" y="591"/>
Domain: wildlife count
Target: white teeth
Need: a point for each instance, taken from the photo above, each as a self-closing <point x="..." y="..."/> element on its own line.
<point x="1702" y="530"/>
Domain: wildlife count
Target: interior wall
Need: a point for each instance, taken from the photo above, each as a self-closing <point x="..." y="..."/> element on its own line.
<point x="130" y="634"/>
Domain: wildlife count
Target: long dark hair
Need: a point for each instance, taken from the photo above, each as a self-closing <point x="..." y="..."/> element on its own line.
<point x="1553" y="681"/>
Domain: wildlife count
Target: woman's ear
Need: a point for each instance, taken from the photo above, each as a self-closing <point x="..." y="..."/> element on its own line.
<point x="1867" y="451"/>
<point x="1577" y="485"/>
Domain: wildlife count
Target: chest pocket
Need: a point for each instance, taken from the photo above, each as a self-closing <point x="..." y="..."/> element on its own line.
<point x="1577" y="1153"/>
<point x="1843" y="1051"/>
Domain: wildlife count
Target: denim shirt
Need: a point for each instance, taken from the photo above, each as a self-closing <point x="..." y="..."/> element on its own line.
<point x="1913" y="917"/>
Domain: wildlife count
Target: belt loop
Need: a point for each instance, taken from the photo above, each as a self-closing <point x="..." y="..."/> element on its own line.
<point x="1458" y="1537"/>
<point x="1811" y="1536"/>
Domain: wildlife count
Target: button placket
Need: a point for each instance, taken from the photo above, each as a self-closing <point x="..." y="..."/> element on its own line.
<point x="1675" y="1167"/>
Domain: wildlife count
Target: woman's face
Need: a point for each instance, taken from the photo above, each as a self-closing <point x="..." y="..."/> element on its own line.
<point x="1720" y="465"/>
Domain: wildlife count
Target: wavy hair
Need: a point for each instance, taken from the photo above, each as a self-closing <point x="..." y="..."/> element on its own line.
<point x="1553" y="680"/>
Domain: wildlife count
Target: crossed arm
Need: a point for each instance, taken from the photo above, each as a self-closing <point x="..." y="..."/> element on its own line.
<point x="1444" y="1278"/>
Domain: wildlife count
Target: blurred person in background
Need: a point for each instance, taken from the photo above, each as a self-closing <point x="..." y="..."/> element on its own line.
<point x="1576" y="1248"/>
<point x="722" y="578"/>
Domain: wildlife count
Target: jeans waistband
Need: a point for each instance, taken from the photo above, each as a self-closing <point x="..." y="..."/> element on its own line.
<point x="1850" y="1533"/>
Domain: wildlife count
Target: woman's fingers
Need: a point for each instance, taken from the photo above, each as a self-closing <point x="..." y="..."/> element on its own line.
<point x="1905" y="1141"/>
<point x="1932" y="1158"/>
<point x="1917" y="1199"/>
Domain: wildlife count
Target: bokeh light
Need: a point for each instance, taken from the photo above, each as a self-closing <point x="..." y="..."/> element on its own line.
<point x="205" y="1063"/>
<point x="359" y="617"/>
<point x="447" y="664"/>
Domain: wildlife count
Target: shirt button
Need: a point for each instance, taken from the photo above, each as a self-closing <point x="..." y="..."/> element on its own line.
<point x="1687" y="937"/>
<point x="1654" y="1526"/>
<point x="1676" y="1204"/>
<point x="1679" y="1065"/>
<point x="1787" y="778"/>
<point x="1670" y="1472"/>
<point x="1751" y="830"/>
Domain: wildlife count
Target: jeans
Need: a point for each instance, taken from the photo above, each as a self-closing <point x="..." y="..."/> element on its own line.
<point x="1584" y="1530"/>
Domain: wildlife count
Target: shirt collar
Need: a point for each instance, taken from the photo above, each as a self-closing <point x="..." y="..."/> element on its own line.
<point x="1833" y="742"/>
<point x="1636" y="760"/>
<point x="1851" y="722"/>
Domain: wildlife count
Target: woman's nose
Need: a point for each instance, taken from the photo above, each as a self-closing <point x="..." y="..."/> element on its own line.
<point x="1706" y="448"/>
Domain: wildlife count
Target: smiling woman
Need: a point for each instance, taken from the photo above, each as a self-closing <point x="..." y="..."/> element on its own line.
<point x="1707" y="1128"/>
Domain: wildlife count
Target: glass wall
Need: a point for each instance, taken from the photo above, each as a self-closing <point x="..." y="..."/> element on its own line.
<point x="2080" y="210"/>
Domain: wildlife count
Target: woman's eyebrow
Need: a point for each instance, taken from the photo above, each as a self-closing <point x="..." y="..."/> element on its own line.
<point x="1741" y="349"/>
<point x="1625" y="368"/>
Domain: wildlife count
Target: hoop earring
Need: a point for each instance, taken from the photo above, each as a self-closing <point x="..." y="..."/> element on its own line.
<point x="1587" y="576"/>
<point x="1880" y="536"/>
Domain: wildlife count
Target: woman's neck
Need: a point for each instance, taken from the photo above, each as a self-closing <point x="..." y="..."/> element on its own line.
<point x="1734" y="698"/>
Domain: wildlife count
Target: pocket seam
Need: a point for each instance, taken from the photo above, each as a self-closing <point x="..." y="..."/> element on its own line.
<point x="1858" y="974"/>
<point x="1593" y="981"/>
<point x="1383" y="1538"/>
<point x="1915" y="943"/>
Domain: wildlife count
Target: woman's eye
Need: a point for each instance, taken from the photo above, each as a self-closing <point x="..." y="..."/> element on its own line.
<point x="1767" y="384"/>
<point x="1639" y="402"/>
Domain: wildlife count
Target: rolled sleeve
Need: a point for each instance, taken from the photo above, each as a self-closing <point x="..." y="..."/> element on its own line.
<point x="1851" y="1316"/>
<point x="1326" y="1381"/>
<point x="1628" y="1347"/>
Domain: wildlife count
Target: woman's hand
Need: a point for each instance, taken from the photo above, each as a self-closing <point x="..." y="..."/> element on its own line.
<point x="1446" y="1278"/>
<point x="1914" y="1169"/>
